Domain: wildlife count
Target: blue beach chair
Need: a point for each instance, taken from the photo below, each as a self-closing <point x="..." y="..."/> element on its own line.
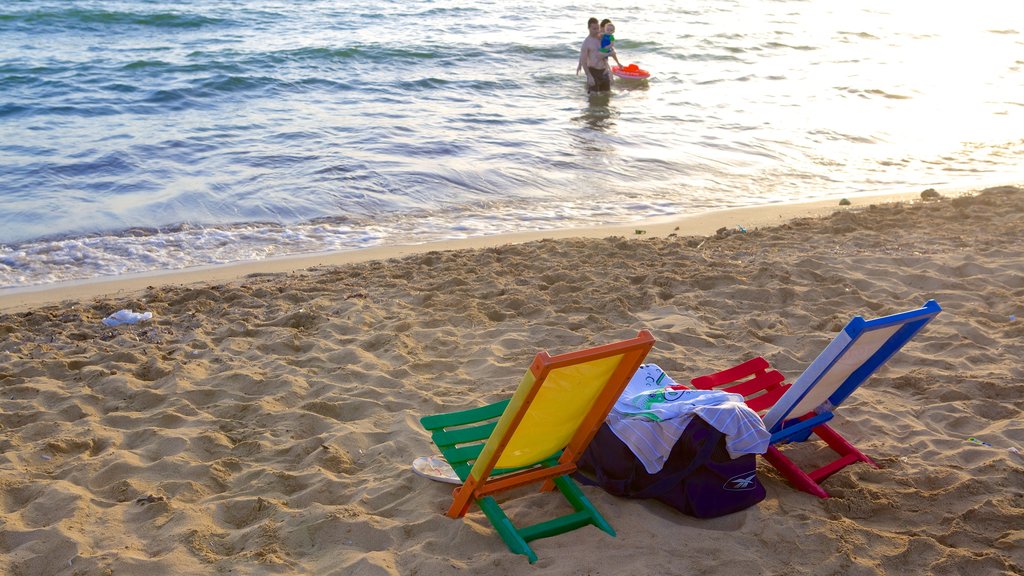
<point x="792" y="412"/>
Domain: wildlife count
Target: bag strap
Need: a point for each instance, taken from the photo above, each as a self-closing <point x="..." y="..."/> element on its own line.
<point x="703" y="455"/>
<point x="585" y="480"/>
<point x="615" y="486"/>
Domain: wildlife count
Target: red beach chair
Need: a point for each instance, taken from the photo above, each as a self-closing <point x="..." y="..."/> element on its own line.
<point x="792" y="412"/>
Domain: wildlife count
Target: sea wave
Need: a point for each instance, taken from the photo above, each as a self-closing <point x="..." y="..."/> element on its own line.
<point x="92" y="19"/>
<point x="145" y="249"/>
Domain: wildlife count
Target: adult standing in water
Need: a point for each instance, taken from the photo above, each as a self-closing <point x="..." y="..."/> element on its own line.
<point x="593" y="62"/>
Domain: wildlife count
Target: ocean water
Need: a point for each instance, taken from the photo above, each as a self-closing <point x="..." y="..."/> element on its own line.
<point x="147" y="134"/>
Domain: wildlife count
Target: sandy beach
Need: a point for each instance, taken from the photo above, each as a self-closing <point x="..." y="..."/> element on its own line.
<point x="266" y="424"/>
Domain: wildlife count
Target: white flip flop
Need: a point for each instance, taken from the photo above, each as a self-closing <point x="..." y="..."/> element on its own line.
<point x="435" y="468"/>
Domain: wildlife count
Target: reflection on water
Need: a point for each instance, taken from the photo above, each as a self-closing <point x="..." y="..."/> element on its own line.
<point x="624" y="85"/>
<point x="596" y="145"/>
<point x="599" y="114"/>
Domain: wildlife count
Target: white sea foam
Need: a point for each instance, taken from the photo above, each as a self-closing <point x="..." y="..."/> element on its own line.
<point x="77" y="258"/>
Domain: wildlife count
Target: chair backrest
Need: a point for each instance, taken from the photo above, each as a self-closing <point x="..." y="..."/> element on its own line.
<point x="560" y="403"/>
<point x="855" y="353"/>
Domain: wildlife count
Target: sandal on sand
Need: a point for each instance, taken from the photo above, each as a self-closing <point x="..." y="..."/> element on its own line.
<point x="435" y="468"/>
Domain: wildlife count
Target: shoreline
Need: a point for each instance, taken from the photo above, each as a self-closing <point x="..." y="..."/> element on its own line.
<point x="702" y="224"/>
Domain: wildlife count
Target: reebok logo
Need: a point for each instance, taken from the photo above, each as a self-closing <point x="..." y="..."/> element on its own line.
<point x="745" y="481"/>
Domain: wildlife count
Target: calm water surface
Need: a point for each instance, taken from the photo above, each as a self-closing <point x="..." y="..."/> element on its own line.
<point x="150" y="135"/>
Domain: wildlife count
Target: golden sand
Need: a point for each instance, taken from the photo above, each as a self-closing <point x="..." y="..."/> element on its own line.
<point x="266" y="425"/>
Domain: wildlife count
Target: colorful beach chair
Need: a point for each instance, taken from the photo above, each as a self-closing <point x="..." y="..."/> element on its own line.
<point x="537" y="436"/>
<point x="791" y="413"/>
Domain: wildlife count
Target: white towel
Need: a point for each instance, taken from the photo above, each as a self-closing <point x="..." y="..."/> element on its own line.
<point x="650" y="417"/>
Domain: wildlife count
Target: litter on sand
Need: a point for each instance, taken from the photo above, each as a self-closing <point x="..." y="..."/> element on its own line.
<point x="126" y="316"/>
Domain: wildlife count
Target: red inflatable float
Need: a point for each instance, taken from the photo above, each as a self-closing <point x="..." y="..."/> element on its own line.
<point x="630" y="72"/>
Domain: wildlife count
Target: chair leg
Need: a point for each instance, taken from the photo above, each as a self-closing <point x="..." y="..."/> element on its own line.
<point x="848" y="454"/>
<point x="841" y="445"/>
<point x="503" y="525"/>
<point x="580" y="503"/>
<point x="517" y="539"/>
<point x="461" y="500"/>
<point x="795" y="475"/>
